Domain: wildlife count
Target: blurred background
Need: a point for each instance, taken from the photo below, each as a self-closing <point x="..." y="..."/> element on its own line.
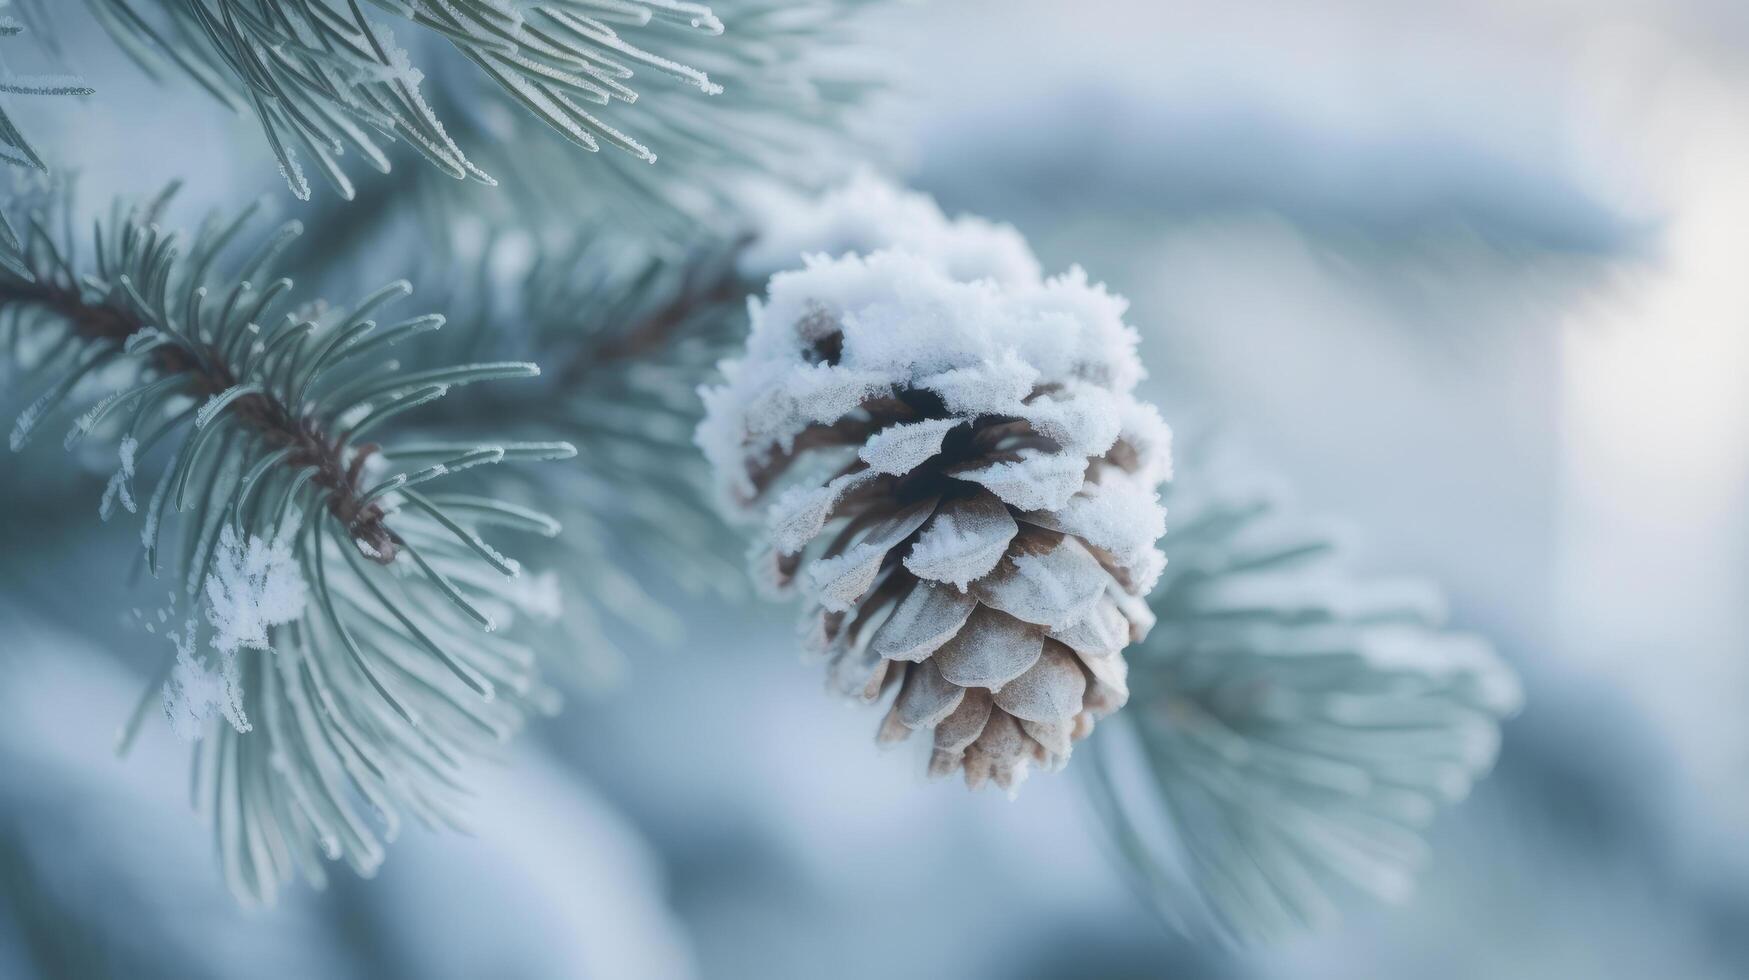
<point x="1473" y="277"/>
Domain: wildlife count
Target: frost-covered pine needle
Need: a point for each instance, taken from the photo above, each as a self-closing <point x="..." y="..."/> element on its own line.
<point x="340" y="604"/>
<point x="323" y="78"/>
<point x="1294" y="726"/>
<point x="14" y="148"/>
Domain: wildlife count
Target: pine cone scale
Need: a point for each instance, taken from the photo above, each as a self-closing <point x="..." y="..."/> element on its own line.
<point x="991" y="649"/>
<point x="928" y="616"/>
<point x="964" y="541"/>
<point x="927" y="697"/>
<point x="1050" y="691"/>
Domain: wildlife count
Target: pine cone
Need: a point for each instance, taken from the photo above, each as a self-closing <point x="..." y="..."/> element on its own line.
<point x="963" y="488"/>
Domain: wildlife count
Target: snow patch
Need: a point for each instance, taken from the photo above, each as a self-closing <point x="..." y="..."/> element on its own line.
<point x="870" y="214"/>
<point x="832" y="337"/>
<point x="196" y="691"/>
<point x="254" y="585"/>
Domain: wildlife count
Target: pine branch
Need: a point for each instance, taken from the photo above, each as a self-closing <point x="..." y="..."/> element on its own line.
<point x="630" y="339"/>
<point x="703" y="290"/>
<point x="322" y="78"/>
<point x="799" y="81"/>
<point x="1292" y="726"/>
<point x="208" y="374"/>
<point x="352" y="650"/>
<point x="14" y="148"/>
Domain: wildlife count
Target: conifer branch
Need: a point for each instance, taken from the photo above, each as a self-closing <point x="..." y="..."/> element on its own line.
<point x="799" y="85"/>
<point x="14" y="148"/>
<point x="630" y="339"/>
<point x="703" y="290"/>
<point x="1292" y="727"/>
<point x="203" y="373"/>
<point x="322" y="77"/>
<point x="353" y="652"/>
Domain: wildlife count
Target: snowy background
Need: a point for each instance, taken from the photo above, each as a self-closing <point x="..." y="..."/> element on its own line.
<point x="1471" y="276"/>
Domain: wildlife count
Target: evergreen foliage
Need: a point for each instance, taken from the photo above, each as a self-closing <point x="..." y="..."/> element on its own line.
<point x="332" y="595"/>
<point x="14" y="148"/>
<point x="323" y="78"/>
<point x="798" y="82"/>
<point x="950" y="452"/>
<point x="1293" y="726"/>
<point x="626" y="335"/>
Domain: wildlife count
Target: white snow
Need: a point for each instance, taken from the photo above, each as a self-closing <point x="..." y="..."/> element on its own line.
<point x="212" y="407"/>
<point x="841" y="580"/>
<point x="903" y="448"/>
<point x="27" y="421"/>
<point x="870" y="214"/>
<point x="196" y="691"/>
<point x="906" y="324"/>
<point x="1083" y="418"/>
<point x="996" y="388"/>
<point x="253" y="585"/>
<point x="144" y="339"/>
<point x="1036" y="481"/>
<point x="802" y="511"/>
<point x="1123" y="517"/>
<point x="400" y="65"/>
<point x="120" y="486"/>
<point x="354" y="415"/>
<point x="129" y="446"/>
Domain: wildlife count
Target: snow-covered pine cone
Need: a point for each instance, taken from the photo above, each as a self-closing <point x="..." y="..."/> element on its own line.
<point x="958" y="479"/>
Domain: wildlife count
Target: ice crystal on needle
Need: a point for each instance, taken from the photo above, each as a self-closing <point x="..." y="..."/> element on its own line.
<point x="254" y="585"/>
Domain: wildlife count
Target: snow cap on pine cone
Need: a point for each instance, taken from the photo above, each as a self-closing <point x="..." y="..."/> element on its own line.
<point x="957" y="478"/>
<point x="870" y="214"/>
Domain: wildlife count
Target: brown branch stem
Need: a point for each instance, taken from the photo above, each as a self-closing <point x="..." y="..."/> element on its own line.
<point x="263" y="413"/>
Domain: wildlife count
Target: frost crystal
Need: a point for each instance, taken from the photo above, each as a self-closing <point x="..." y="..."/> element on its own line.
<point x="120" y="485"/>
<point x="252" y="586"/>
<point x="196" y="691"/>
<point x="954" y="472"/>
